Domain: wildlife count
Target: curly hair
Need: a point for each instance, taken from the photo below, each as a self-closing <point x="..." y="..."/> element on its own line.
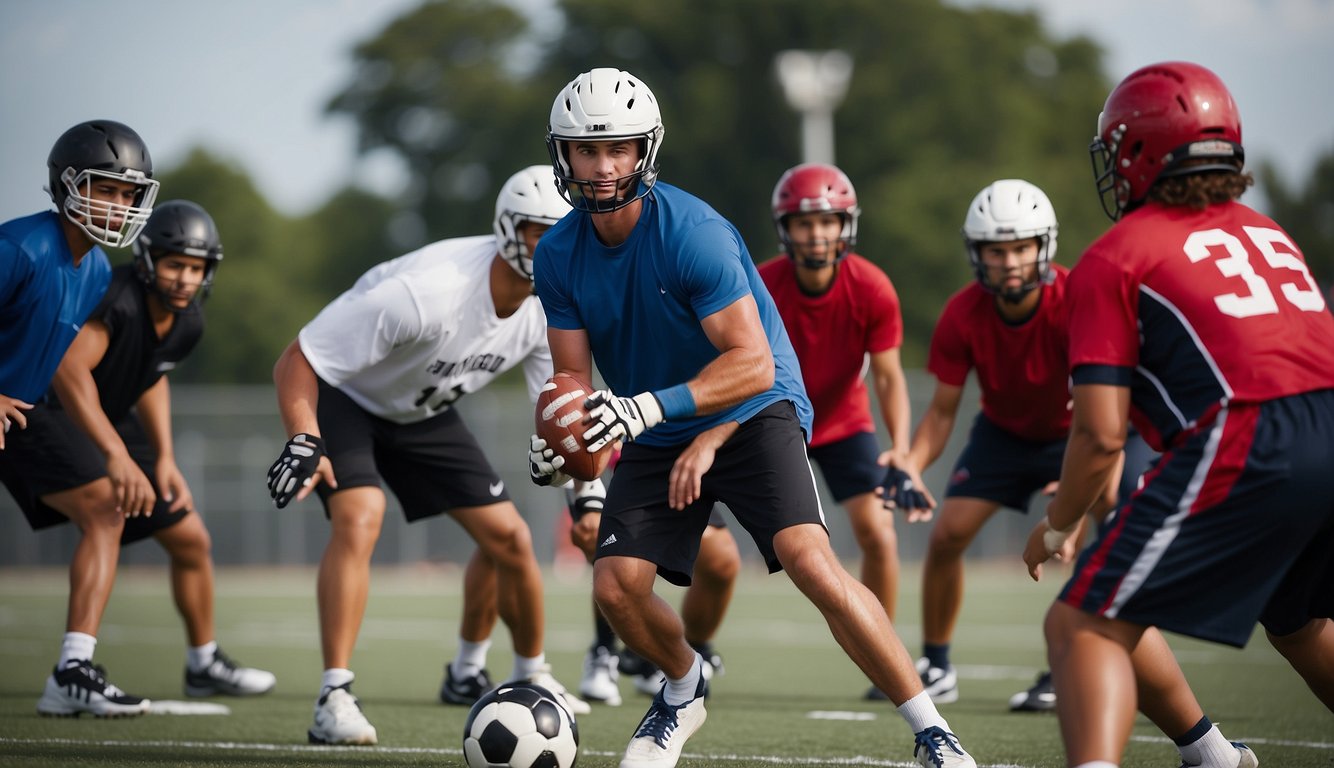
<point x="1201" y="190"/>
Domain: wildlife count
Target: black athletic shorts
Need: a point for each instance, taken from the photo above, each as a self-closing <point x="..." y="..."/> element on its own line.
<point x="998" y="466"/>
<point x="761" y="474"/>
<point x="850" y="466"/>
<point x="432" y="466"/>
<point x="53" y="454"/>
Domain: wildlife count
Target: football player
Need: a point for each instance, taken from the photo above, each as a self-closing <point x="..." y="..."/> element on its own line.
<point x="367" y="393"/>
<point x="53" y="273"/>
<point x="841" y="312"/>
<point x="641" y="267"/>
<point x="1197" y="317"/>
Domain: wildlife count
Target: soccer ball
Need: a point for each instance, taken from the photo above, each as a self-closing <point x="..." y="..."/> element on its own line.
<point x="520" y="725"/>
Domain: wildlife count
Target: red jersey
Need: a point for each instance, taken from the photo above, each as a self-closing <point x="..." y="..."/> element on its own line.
<point x="1022" y="369"/>
<point x="832" y="334"/>
<point x="1197" y="309"/>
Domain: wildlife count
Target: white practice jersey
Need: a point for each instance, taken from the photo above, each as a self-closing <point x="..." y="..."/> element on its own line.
<point x="417" y="333"/>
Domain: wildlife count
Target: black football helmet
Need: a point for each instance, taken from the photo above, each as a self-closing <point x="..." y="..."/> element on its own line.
<point x="183" y="227"/>
<point x="108" y="150"/>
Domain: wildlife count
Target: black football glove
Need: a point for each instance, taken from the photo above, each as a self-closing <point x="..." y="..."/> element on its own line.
<point x="900" y="492"/>
<point x="295" y="467"/>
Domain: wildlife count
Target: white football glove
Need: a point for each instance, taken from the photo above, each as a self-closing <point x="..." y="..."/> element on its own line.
<point x="619" y="418"/>
<point x="544" y="465"/>
<point x="586" y="497"/>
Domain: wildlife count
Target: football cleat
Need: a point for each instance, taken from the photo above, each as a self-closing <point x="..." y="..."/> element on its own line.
<point x="942" y="685"/>
<point x="663" y="732"/>
<point x="464" y="690"/>
<point x="225" y="677"/>
<point x="713" y="662"/>
<point x="599" y="680"/>
<point x="937" y="748"/>
<point x="545" y="679"/>
<point x="1039" y="698"/>
<point x="340" y="721"/>
<point x="82" y="687"/>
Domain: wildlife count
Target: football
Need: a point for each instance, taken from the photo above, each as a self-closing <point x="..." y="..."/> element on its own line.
<point x="560" y="413"/>
<point x="520" y="725"/>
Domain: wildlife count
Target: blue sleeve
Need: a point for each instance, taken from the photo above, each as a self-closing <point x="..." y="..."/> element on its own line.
<point x="711" y="271"/>
<point x="554" y="294"/>
<point x="13" y="270"/>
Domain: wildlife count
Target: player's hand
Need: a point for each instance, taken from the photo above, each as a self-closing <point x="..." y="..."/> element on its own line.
<point x="175" y="491"/>
<point x="584" y="534"/>
<point x="544" y="464"/>
<point x="134" y="493"/>
<point x="904" y="490"/>
<point x="1044" y="543"/>
<point x="301" y="465"/>
<point x="686" y="478"/>
<point x="11" y="412"/>
<point x="619" y="418"/>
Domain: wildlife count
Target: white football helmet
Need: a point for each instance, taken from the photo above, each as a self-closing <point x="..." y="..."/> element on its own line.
<point x="1008" y="210"/>
<point x="529" y="195"/>
<point x="603" y="105"/>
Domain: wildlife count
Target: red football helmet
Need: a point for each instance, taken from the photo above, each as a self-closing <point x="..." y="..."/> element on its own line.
<point x="1158" y="117"/>
<point x="816" y="188"/>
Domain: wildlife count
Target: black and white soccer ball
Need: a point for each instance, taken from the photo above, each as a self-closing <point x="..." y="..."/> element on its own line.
<point x="520" y="725"/>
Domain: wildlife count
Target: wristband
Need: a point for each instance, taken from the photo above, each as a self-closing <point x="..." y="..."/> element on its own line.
<point x="1054" y="539"/>
<point x="676" y="402"/>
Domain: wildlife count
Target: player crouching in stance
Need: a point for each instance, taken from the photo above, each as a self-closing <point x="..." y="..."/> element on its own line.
<point x="1198" y="317"/>
<point x="367" y="394"/>
<point x="641" y="267"/>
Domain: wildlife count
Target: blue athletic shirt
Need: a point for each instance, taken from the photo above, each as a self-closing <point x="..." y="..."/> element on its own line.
<point x="44" y="301"/>
<point x="641" y="303"/>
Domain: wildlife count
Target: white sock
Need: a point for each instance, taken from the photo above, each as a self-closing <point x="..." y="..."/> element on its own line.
<point x="678" y="692"/>
<point x="76" y="646"/>
<point x="527" y="666"/>
<point x="1212" y="749"/>
<point x="920" y="713"/>
<point x="198" y="657"/>
<point x="334" y="677"/>
<point x="471" y="659"/>
<point x="1097" y="764"/>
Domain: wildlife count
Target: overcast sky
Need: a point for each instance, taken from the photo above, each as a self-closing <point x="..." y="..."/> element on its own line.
<point x="249" y="78"/>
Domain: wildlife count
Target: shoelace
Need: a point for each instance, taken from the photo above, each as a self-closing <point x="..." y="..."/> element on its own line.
<point x="659" y="723"/>
<point x="932" y="739"/>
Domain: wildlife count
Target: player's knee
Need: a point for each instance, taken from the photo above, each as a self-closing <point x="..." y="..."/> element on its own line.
<point x="1296" y="644"/>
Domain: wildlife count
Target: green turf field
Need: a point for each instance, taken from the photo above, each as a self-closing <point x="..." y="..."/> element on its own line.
<point x="789" y="696"/>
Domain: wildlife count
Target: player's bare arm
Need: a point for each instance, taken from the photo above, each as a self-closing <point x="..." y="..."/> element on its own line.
<point x="1092" y="460"/>
<point x="570" y="353"/>
<point x="683" y="483"/>
<point x="73" y="383"/>
<point x="11" y="411"/>
<point x="891" y="390"/>
<point x="745" y="366"/>
<point x="154" y="407"/>
<point x="928" y="442"/>
<point x="298" y="398"/>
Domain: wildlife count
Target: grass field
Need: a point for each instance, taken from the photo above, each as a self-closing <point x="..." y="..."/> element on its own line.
<point x="789" y="696"/>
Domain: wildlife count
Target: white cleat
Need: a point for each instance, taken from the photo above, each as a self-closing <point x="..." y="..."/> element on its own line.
<point x="942" y="685"/>
<point x="339" y="720"/>
<point x="937" y="748"/>
<point x="82" y="687"/>
<point x="599" y="680"/>
<point x="225" y="677"/>
<point x="663" y="732"/>
<point x="544" y="678"/>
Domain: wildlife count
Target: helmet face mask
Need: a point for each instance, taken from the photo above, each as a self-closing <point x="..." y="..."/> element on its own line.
<point x="82" y="162"/>
<point x="528" y="196"/>
<point x="605" y="105"/>
<point x="178" y="227"/>
<point x="1006" y="211"/>
<point x="1163" y="120"/>
<point x="815" y="188"/>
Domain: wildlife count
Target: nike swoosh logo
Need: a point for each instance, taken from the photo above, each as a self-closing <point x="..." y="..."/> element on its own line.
<point x="497" y="487"/>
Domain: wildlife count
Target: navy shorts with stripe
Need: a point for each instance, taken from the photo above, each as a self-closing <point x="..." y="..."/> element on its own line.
<point x="998" y="466"/>
<point x="850" y="466"/>
<point x="53" y="454"/>
<point x="761" y="474"/>
<point x="1233" y="525"/>
<point x="432" y="466"/>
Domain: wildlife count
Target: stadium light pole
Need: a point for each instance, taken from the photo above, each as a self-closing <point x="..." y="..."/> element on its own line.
<point x="814" y="83"/>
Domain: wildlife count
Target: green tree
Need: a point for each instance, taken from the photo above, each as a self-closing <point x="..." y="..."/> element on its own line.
<point x="1307" y="213"/>
<point x="942" y="101"/>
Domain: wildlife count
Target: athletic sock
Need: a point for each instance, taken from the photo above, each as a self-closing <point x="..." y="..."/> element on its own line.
<point x="937" y="655"/>
<point x="75" y="647"/>
<point x="198" y="657"/>
<point x="471" y="659"/>
<point x="678" y="692"/>
<point x="335" y="677"/>
<point x="920" y="713"/>
<point x="527" y="666"/>
<point x="603" y="635"/>
<point x="1204" y="744"/>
